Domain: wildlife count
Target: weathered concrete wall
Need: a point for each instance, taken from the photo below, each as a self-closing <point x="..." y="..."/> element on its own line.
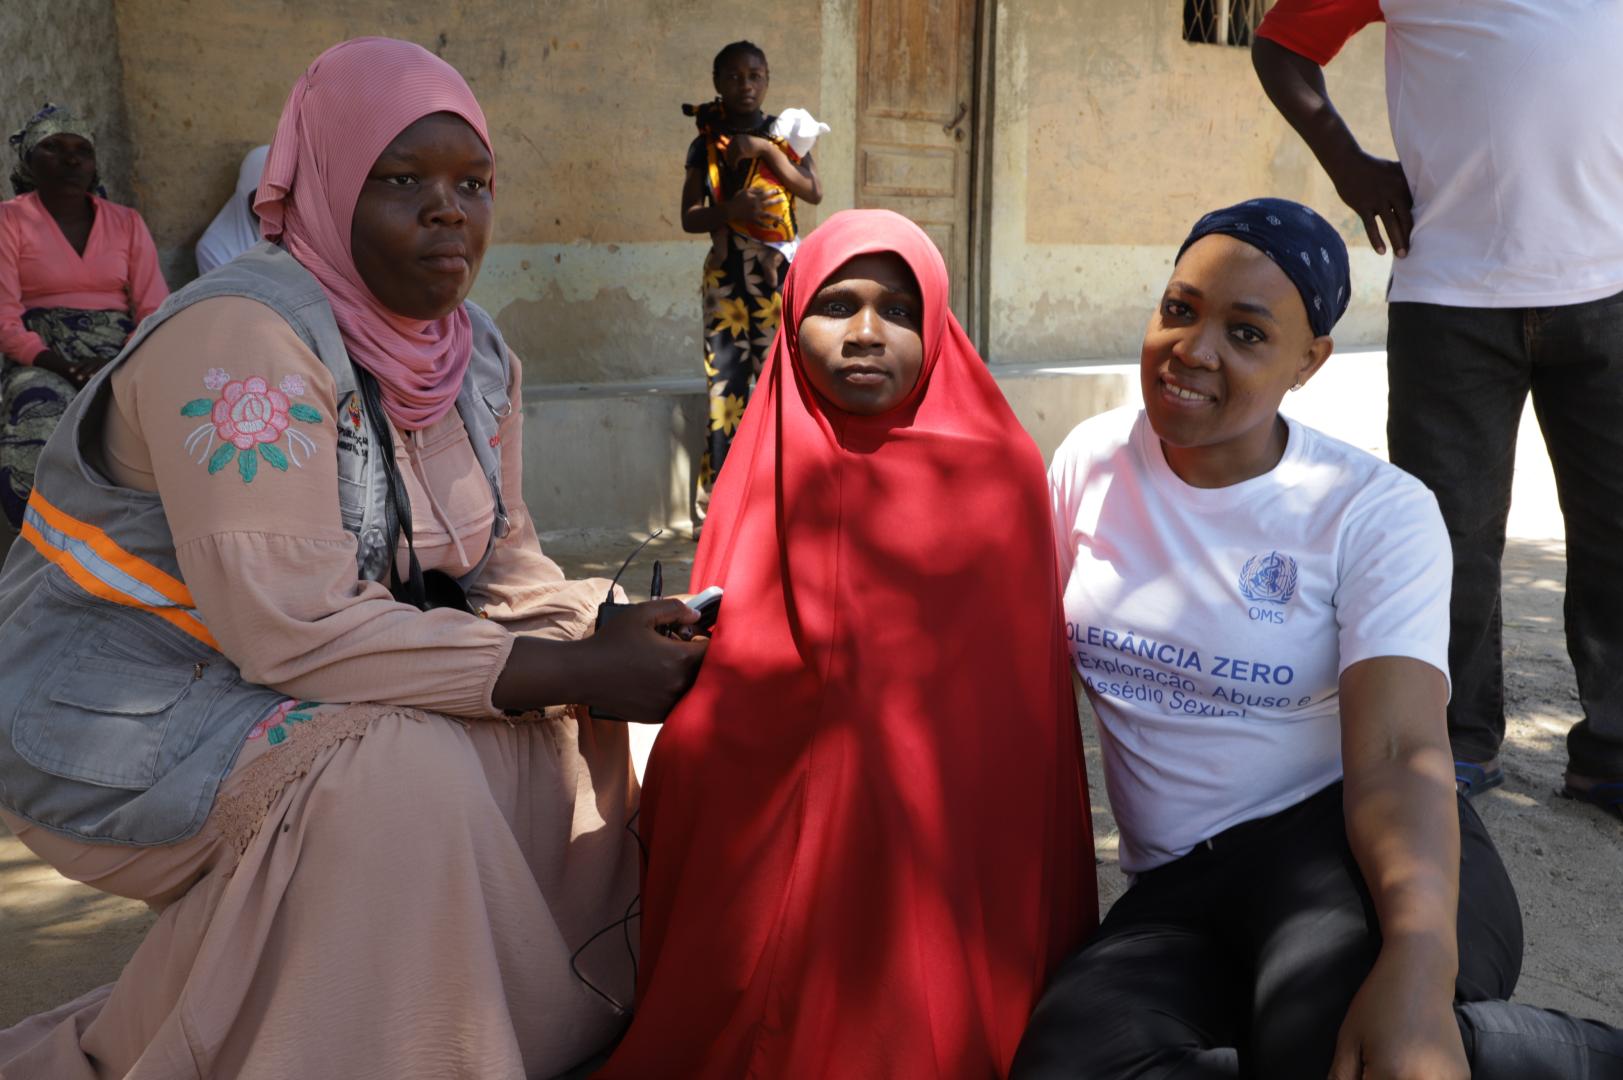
<point x="591" y="277"/>
<point x="65" y="51"/>
<point x="623" y="455"/>
<point x="1111" y="136"/>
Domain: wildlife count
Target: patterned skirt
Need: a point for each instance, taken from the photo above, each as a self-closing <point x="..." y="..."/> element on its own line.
<point x="743" y="283"/>
<point x="32" y="399"/>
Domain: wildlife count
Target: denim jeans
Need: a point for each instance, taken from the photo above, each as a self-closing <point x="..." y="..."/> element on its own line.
<point x="1458" y="380"/>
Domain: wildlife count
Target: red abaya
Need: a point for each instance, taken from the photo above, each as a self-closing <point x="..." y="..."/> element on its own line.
<point x="867" y="829"/>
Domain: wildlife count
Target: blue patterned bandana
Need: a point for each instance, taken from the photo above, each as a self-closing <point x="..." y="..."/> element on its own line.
<point x="1302" y="244"/>
<point x="51" y="120"/>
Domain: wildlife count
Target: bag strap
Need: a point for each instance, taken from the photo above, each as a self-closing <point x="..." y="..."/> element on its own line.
<point x="397" y="512"/>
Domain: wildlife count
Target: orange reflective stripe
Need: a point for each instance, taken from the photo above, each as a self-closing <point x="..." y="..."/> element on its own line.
<point x="90" y="583"/>
<point x="167" y="585"/>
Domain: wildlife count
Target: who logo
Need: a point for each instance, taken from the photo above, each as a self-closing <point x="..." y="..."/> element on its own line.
<point x="1269" y="578"/>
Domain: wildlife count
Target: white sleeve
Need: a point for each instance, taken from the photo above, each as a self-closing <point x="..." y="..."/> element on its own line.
<point x="1063" y="494"/>
<point x="1395" y="573"/>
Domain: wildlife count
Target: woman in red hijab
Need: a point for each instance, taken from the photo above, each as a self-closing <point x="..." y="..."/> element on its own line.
<point x="866" y="824"/>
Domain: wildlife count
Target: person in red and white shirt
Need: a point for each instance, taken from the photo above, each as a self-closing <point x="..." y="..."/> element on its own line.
<point x="1502" y="210"/>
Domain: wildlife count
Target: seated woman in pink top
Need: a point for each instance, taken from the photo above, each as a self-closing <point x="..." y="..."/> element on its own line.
<point x="76" y="274"/>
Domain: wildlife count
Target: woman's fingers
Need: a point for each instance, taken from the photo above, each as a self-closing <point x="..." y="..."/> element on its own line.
<point x="669" y="611"/>
<point x="665" y="677"/>
<point x="1373" y="229"/>
<point x="651" y="669"/>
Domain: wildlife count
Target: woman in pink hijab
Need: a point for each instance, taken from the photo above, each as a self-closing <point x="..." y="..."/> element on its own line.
<point x="280" y="653"/>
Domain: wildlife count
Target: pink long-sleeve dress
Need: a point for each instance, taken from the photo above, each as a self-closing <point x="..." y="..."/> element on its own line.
<point x="394" y="876"/>
<point x="117" y="271"/>
<point x="81" y="305"/>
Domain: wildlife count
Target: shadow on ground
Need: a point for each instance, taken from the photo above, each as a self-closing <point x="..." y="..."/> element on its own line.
<point x="58" y="939"/>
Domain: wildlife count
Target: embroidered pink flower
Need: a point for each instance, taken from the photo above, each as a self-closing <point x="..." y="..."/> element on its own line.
<point x="276" y="716"/>
<point x="250" y="412"/>
<point x="248" y="419"/>
<point x="215" y="378"/>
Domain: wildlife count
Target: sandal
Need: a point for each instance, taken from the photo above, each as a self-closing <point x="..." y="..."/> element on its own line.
<point x="1472" y="778"/>
<point x="1608" y="796"/>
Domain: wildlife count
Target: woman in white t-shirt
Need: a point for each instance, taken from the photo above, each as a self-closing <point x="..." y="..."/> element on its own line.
<point x="1260" y="616"/>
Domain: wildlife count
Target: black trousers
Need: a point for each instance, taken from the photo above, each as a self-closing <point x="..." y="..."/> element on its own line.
<point x="1458" y="378"/>
<point x="1241" y="958"/>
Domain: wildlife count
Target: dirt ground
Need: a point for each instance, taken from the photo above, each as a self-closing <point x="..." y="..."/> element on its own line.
<point x="59" y="939"/>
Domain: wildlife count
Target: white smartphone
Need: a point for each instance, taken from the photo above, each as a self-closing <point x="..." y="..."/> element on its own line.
<point x="707" y="604"/>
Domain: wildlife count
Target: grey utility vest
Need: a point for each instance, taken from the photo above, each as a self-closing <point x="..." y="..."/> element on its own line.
<point x="118" y="716"/>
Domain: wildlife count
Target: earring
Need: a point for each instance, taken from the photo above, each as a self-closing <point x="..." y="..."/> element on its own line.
<point x="1297" y="385"/>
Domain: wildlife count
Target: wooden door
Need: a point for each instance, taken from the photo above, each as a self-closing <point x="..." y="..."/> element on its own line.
<point x="916" y="120"/>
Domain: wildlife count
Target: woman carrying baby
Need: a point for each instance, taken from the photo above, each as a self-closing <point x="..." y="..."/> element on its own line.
<point x="741" y="182"/>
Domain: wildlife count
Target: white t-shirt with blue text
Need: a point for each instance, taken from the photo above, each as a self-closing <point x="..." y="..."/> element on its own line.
<point x="1211" y="625"/>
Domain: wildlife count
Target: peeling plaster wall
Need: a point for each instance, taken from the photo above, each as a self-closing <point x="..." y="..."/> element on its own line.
<point x="65" y="51"/>
<point x="1111" y="136"/>
<point x="590" y="275"/>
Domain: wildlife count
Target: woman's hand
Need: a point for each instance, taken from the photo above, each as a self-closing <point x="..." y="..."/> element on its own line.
<point x="1401" y="1025"/>
<point x="53" y="361"/>
<point x="642" y="672"/>
<point x="628" y="669"/>
<point x="753" y="205"/>
<point x="799" y="178"/>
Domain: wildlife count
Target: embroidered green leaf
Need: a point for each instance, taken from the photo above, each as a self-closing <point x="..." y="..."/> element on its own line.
<point x="197" y="407"/>
<point x="298" y="717"/>
<point x="308" y="705"/>
<point x="309" y="414"/>
<point x="275" y="457"/>
<point x="221" y="458"/>
<point x="248" y="465"/>
<point x="276" y="735"/>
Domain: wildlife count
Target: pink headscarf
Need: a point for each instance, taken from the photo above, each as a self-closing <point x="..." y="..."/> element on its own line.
<point x="343" y="112"/>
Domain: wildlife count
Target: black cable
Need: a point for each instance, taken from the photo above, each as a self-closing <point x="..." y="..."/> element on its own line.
<point x="642" y="848"/>
<point x="631" y="827"/>
<point x="588" y="983"/>
<point x="623" y="923"/>
<point x="609" y="599"/>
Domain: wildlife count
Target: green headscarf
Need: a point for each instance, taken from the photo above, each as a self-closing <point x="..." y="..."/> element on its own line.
<point x="51" y="120"/>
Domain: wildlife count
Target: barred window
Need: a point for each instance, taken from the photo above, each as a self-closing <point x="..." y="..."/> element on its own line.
<point x="1222" y="22"/>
